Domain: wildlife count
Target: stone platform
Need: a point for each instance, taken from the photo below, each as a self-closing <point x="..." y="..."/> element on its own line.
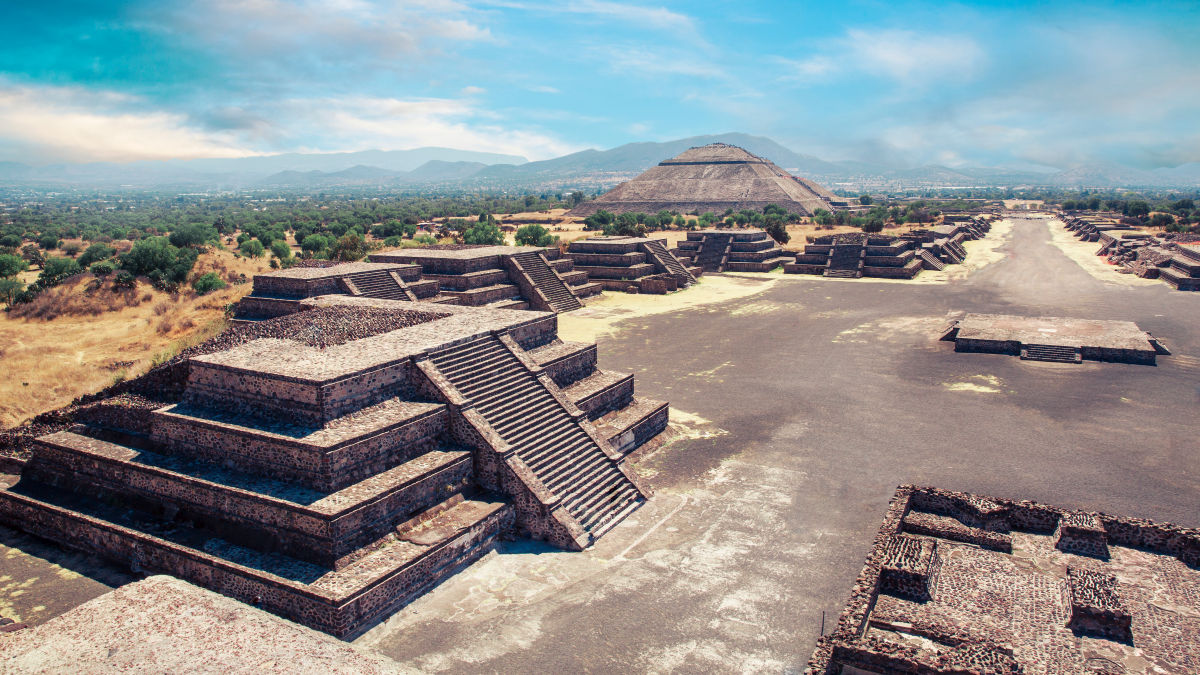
<point x="959" y="583"/>
<point x="636" y="264"/>
<point x="1051" y="338"/>
<point x="506" y="277"/>
<point x="333" y="484"/>
<point x="164" y="625"/>
<point x="731" y="250"/>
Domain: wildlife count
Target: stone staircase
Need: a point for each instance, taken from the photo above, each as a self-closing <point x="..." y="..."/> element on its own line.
<point x="930" y="261"/>
<point x="553" y="443"/>
<point x="669" y="263"/>
<point x="336" y="551"/>
<point x="845" y="261"/>
<point x="547" y="281"/>
<point x="1054" y="353"/>
<point x="378" y="284"/>
<point x="714" y="252"/>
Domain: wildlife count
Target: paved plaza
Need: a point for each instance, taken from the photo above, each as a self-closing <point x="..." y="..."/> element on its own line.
<point x="800" y="408"/>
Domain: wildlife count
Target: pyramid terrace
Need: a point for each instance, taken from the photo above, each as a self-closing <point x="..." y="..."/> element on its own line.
<point x="713" y="178"/>
<point x="631" y="264"/>
<point x="1050" y="338"/>
<point x="332" y="476"/>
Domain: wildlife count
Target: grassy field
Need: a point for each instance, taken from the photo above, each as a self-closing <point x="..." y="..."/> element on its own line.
<point x="70" y="341"/>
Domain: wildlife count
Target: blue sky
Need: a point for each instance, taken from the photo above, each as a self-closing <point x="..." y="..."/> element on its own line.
<point x="1018" y="84"/>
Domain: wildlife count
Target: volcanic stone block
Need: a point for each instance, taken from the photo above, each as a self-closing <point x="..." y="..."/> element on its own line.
<point x="1095" y="606"/>
<point x="1082" y="534"/>
<point x="909" y="568"/>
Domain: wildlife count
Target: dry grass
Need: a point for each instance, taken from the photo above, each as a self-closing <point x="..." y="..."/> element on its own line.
<point x="77" y="341"/>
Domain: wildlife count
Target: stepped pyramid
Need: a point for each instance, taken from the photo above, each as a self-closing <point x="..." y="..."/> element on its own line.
<point x="712" y="178"/>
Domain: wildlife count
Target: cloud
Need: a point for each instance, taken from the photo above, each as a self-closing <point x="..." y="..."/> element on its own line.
<point x="73" y="124"/>
<point x="472" y="91"/>
<point x="272" y="41"/>
<point x="392" y="123"/>
<point x="639" y="16"/>
<point x="902" y="56"/>
<point x="543" y="89"/>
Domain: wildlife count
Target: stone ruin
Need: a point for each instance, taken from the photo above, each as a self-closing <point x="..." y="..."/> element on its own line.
<point x="943" y="592"/>
<point x="854" y="255"/>
<point x="632" y="264"/>
<point x="499" y="277"/>
<point x="1053" y="338"/>
<point x="1171" y="257"/>
<point x="714" y="177"/>
<point x="335" y="472"/>
<point x="731" y="250"/>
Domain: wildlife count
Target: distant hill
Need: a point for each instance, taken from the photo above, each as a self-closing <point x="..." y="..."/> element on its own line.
<point x="589" y="168"/>
<point x="305" y="169"/>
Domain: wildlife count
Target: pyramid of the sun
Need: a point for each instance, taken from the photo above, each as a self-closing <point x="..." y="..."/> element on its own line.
<point x="711" y="178"/>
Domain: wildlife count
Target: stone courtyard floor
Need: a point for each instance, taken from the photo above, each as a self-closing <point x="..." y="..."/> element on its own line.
<point x="799" y="408"/>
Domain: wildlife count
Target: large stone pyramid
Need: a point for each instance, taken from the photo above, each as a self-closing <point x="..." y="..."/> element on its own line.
<point x="711" y="178"/>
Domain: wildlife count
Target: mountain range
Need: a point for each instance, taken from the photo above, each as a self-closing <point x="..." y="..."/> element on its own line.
<point x="447" y="167"/>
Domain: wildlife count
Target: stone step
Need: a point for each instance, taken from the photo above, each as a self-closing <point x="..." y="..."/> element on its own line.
<point x="341" y="602"/>
<point x="601" y="393"/>
<point x="554" y="446"/>
<point x="326" y="528"/>
<point x="633" y="425"/>
<point x="1055" y="353"/>
<point x="343" y="452"/>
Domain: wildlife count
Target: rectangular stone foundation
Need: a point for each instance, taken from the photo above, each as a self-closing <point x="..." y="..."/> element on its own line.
<point x="1096" y="607"/>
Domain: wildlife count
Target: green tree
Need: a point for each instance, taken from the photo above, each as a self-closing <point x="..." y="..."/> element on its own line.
<point x="350" y="247"/>
<point x="534" y="235"/>
<point x="12" y="265"/>
<point x="598" y="220"/>
<point x="95" y="253"/>
<point x="9" y="290"/>
<point x="281" y="250"/>
<point x="252" y="248"/>
<point x="33" y="255"/>
<point x="207" y="283"/>
<point x="865" y="200"/>
<point x="13" y="241"/>
<point x="777" y="230"/>
<point x="102" y="268"/>
<point x="1162" y="220"/>
<point x="48" y="242"/>
<point x="314" y="244"/>
<point x="192" y="234"/>
<point x="55" y="270"/>
<point x="484" y="233"/>
<point x="156" y="259"/>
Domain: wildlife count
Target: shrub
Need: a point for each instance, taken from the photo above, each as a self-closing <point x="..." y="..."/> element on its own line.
<point x="55" y="270"/>
<point x="192" y="234"/>
<point x="156" y="259"/>
<point x="425" y="239"/>
<point x="96" y="253"/>
<point x="10" y="241"/>
<point x="483" y="233"/>
<point x="534" y="235"/>
<point x="102" y="268"/>
<point x="252" y="248"/>
<point x="778" y="231"/>
<point x="598" y="220"/>
<point x="9" y="290"/>
<point x="12" y="265"/>
<point x="207" y="283"/>
<point x="873" y="225"/>
<point x="350" y="247"/>
<point x="281" y="250"/>
<point x="48" y="242"/>
<point x="124" y="279"/>
<point x="314" y="244"/>
<point x="1162" y="220"/>
<point x="392" y="241"/>
<point x="72" y="248"/>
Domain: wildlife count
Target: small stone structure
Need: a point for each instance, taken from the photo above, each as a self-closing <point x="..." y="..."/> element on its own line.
<point x="731" y="250"/>
<point x="1171" y="257"/>
<point x="1052" y="338"/>
<point x="854" y="255"/>
<point x="1038" y="608"/>
<point x="280" y="292"/>
<point x="631" y="264"/>
<point x="334" y="476"/>
<point x="504" y="277"/>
